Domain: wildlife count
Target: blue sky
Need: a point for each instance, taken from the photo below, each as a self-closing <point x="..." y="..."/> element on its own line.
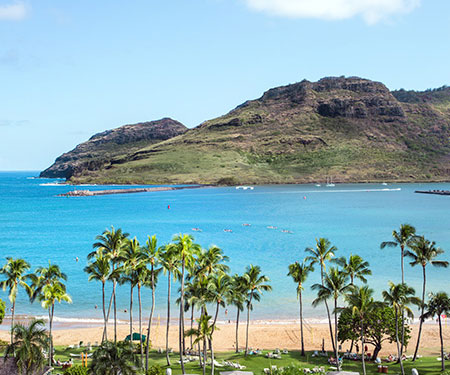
<point x="69" y="69"/>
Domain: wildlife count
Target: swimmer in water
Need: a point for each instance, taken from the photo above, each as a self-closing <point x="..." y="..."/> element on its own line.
<point x="76" y="259"/>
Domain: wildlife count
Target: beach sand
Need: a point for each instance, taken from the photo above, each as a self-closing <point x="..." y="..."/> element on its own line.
<point x="263" y="336"/>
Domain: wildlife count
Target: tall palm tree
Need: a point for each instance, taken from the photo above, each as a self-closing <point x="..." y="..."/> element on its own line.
<point x="50" y="294"/>
<point x="299" y="273"/>
<point x="170" y="262"/>
<point x="131" y="258"/>
<point x="186" y="249"/>
<point x="113" y="359"/>
<point x="361" y="302"/>
<point x="355" y="267"/>
<point x="321" y="253"/>
<point x="28" y="345"/>
<point x="14" y="272"/>
<point x="335" y="285"/>
<point x="211" y="261"/>
<point x="100" y="270"/>
<point x="151" y="252"/>
<point x="399" y="297"/>
<point x="110" y="243"/>
<point x="255" y="285"/>
<point x="424" y="252"/>
<point x="401" y="238"/>
<point x="237" y="297"/>
<point x="202" y="334"/>
<point x="438" y="304"/>
<point x="44" y="276"/>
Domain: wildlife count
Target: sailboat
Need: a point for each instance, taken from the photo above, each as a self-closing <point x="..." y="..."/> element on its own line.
<point x="330" y="182"/>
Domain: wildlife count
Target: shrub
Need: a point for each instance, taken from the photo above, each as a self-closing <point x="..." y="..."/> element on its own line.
<point x="76" y="370"/>
<point x="155" y="370"/>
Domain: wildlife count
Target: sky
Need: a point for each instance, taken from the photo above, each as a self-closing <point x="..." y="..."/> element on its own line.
<point x="70" y="69"/>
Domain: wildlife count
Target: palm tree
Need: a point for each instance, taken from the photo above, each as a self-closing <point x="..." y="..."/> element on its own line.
<point x="44" y="276"/>
<point x="399" y="297"/>
<point x="170" y="262"/>
<point x="211" y="261"/>
<point x="355" y="267"/>
<point x="424" y="252"/>
<point x="255" y="285"/>
<point x="299" y="272"/>
<point x="335" y="285"/>
<point x="113" y="359"/>
<point x="321" y="253"/>
<point x="203" y="334"/>
<point x="14" y="271"/>
<point x="186" y="249"/>
<point x="401" y="238"/>
<point x="28" y="345"/>
<point x="151" y="252"/>
<point x="110" y="243"/>
<point x="438" y="304"/>
<point x="50" y="294"/>
<point x="100" y="270"/>
<point x="361" y="302"/>
<point x="237" y="298"/>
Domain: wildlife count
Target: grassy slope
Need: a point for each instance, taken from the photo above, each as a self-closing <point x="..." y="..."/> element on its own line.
<point x="284" y="146"/>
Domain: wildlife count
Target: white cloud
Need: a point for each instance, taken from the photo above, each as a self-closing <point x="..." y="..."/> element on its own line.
<point x="13" y="12"/>
<point x="371" y="10"/>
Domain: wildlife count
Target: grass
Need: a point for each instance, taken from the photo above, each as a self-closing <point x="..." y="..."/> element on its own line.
<point x="257" y="363"/>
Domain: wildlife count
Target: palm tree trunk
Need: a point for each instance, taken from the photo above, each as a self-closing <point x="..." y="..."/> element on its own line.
<point x="168" y="321"/>
<point x="204" y="357"/>
<point x="147" y="348"/>
<point x="301" y="324"/>
<point x="140" y="325"/>
<point x="398" y="342"/>
<point x="50" y="351"/>
<point x="192" y="324"/>
<point x="248" y="322"/>
<point x="12" y="320"/>
<point x="237" y="331"/>
<point x="105" y="337"/>
<point x="181" y="324"/>
<point x="403" y="311"/>
<point x="131" y="314"/>
<point x="215" y="318"/>
<point x="328" y="312"/>
<point x="442" y="343"/>
<point x="212" y="356"/>
<point x="421" y="313"/>
<point x="362" y="348"/>
<point x="336" y="336"/>
<point x="115" y="311"/>
<point x="199" y="346"/>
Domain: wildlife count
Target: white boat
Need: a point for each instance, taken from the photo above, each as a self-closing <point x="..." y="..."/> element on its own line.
<point x="244" y="187"/>
<point x="384" y="184"/>
<point x="330" y="182"/>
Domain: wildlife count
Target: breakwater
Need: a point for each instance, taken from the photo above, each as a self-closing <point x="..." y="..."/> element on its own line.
<point x="437" y="192"/>
<point x="90" y="193"/>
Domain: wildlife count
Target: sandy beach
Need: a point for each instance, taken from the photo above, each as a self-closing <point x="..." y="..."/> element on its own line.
<point x="262" y="336"/>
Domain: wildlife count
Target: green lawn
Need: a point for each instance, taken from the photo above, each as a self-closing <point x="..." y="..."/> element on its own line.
<point x="256" y="364"/>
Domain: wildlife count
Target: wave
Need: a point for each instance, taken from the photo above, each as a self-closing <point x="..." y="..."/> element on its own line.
<point x="58" y="319"/>
<point x="52" y="184"/>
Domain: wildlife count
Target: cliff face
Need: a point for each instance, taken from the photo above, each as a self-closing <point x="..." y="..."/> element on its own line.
<point x="103" y="147"/>
<point x="350" y="128"/>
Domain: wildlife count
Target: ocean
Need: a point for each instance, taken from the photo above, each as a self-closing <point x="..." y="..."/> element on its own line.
<point x="39" y="226"/>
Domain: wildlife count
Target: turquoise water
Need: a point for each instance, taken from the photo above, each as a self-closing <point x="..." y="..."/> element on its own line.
<point x="37" y="225"/>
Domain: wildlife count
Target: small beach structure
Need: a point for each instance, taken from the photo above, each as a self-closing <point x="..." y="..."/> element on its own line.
<point x="136" y="337"/>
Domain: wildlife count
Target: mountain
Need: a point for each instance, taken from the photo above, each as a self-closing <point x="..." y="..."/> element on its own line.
<point x="98" y="152"/>
<point x="350" y="129"/>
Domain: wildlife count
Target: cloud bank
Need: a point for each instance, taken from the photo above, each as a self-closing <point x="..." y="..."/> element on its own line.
<point x="371" y="11"/>
<point x="13" y="12"/>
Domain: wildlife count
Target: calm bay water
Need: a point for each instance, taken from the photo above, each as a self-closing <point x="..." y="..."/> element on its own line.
<point x="38" y="226"/>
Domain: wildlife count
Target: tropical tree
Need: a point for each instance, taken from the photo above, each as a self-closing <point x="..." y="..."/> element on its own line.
<point x="45" y="276"/>
<point x="321" y="253"/>
<point x="255" y="285"/>
<point x="400" y="297"/>
<point x="151" y="253"/>
<point x="2" y="310"/>
<point x="170" y="262"/>
<point x="14" y="272"/>
<point x="299" y="273"/>
<point x="203" y="334"/>
<point x="438" y="304"/>
<point x="335" y="285"/>
<point x="237" y="297"/>
<point x="355" y="267"/>
<point x="424" y="252"/>
<point x="28" y="346"/>
<point x="100" y="270"/>
<point x="186" y="249"/>
<point x="401" y="238"/>
<point x="110" y="244"/>
<point x="362" y="304"/>
<point x="113" y="359"/>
